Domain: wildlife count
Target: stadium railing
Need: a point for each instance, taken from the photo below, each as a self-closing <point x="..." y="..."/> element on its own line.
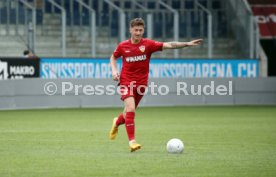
<point x="244" y="27"/>
<point x="92" y="25"/>
<point x="193" y="23"/>
<point x="18" y="17"/>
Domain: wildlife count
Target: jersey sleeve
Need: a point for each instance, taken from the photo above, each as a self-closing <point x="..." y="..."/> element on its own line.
<point x="117" y="52"/>
<point x="155" y="46"/>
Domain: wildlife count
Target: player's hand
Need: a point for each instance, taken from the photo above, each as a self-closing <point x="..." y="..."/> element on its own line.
<point x="115" y="76"/>
<point x="195" y="42"/>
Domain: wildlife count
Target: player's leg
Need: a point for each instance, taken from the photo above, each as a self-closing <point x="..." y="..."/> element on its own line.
<point x="129" y="118"/>
<point x="139" y="94"/>
<point x="114" y="129"/>
<point x="130" y="123"/>
<point x="117" y="121"/>
<point x="120" y="119"/>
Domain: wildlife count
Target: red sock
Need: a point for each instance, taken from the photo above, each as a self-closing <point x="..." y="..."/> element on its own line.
<point x="130" y="126"/>
<point x="120" y="120"/>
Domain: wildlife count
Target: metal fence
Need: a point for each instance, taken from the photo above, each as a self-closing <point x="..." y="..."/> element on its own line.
<point x="244" y="27"/>
<point x="106" y="22"/>
<point x="18" y="17"/>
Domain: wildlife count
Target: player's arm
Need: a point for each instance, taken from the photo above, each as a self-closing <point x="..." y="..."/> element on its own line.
<point x="113" y="63"/>
<point x="179" y="45"/>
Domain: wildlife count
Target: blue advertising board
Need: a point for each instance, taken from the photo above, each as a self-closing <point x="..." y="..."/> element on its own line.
<point x="204" y="68"/>
<point x="159" y="68"/>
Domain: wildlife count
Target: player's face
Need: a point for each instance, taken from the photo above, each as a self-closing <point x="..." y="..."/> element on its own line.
<point x="137" y="32"/>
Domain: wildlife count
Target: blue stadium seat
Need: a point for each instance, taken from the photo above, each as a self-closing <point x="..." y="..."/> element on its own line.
<point x="47" y="7"/>
<point x="114" y="24"/>
<point x="151" y="5"/>
<point x="21" y="15"/>
<point x="216" y="4"/>
<point x="85" y="16"/>
<point x="189" y="4"/>
<point x="3" y="15"/>
<point x="39" y="17"/>
<point x="222" y="24"/>
<point x="203" y="2"/>
<point x="176" y="4"/>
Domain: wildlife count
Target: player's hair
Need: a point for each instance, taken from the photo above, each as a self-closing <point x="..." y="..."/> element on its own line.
<point x="26" y="52"/>
<point x="137" y="22"/>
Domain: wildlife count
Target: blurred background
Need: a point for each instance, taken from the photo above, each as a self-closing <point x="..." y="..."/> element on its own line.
<point x="73" y="39"/>
<point x="54" y="122"/>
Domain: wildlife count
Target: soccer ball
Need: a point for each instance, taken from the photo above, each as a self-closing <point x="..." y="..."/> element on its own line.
<point x="175" y="146"/>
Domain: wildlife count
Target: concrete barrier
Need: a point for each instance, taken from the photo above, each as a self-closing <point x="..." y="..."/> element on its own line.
<point x="31" y="93"/>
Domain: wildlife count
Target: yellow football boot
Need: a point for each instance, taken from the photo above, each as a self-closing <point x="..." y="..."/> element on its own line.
<point x="134" y="146"/>
<point x="114" y="129"/>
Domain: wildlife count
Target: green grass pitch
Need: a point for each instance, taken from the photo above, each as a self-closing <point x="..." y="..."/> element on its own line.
<point x="219" y="141"/>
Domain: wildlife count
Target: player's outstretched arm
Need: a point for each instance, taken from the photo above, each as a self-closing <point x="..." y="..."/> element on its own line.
<point x="113" y="63"/>
<point x="179" y="45"/>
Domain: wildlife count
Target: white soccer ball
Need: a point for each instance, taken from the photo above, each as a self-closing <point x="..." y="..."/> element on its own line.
<point x="175" y="146"/>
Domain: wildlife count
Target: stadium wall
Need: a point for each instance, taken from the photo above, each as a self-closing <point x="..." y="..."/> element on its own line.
<point x="36" y="93"/>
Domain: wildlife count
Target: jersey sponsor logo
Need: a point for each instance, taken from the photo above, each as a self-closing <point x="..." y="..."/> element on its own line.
<point x="136" y="58"/>
<point x="142" y="48"/>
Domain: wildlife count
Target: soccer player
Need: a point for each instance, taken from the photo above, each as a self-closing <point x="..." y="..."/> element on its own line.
<point x="135" y="53"/>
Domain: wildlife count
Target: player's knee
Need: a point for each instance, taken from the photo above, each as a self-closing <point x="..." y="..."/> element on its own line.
<point x="130" y="108"/>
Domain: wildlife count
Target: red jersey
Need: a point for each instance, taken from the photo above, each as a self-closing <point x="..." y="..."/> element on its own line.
<point x="136" y="58"/>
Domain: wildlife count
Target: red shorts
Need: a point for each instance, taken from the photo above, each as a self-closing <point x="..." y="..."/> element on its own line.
<point x="136" y="92"/>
